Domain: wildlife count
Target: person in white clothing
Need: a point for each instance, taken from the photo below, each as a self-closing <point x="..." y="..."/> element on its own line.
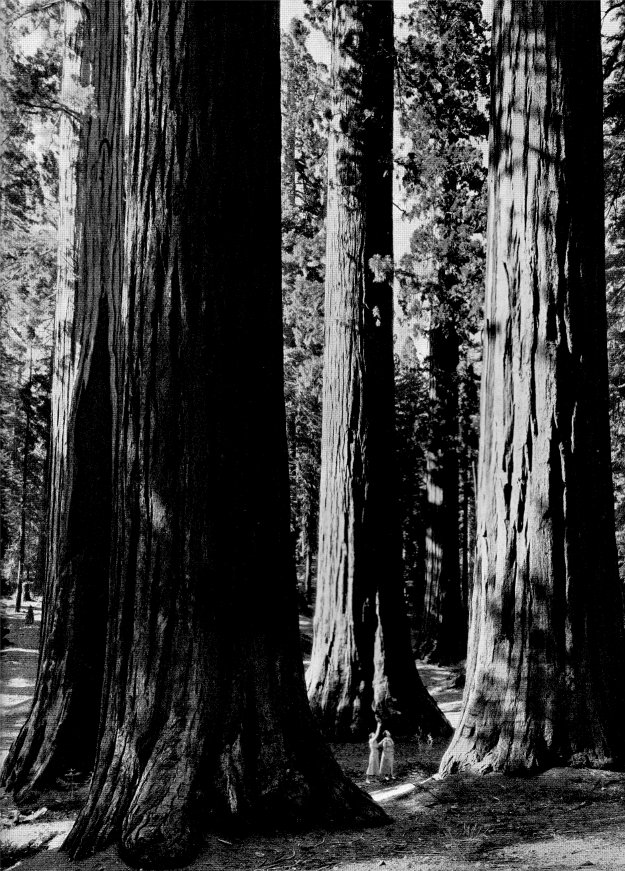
<point x="387" y="762"/>
<point x="373" y="767"/>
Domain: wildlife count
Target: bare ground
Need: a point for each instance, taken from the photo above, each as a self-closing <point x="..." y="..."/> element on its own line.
<point x="562" y="819"/>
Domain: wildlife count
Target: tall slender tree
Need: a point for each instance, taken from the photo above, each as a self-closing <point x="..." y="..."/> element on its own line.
<point x="304" y="146"/>
<point x="442" y="73"/>
<point x="443" y="623"/>
<point x="60" y="732"/>
<point x="362" y="660"/>
<point x="205" y="715"/>
<point x="24" y="501"/>
<point x="546" y="651"/>
<point x="28" y="86"/>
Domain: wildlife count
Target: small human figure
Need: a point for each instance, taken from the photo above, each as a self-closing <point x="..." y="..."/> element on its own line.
<point x="373" y="767"/>
<point x="387" y="762"/>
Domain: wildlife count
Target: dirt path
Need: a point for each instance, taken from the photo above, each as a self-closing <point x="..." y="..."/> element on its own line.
<point x="18" y="669"/>
<point x="563" y="819"/>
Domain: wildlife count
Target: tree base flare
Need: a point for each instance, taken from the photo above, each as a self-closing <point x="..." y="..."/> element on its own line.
<point x="515" y="757"/>
<point x="166" y="821"/>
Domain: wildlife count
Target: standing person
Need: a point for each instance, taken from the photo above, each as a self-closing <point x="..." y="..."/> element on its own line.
<point x="373" y="767"/>
<point x="387" y="762"/>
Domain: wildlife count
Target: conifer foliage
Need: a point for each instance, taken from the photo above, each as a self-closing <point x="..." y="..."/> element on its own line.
<point x="29" y="84"/>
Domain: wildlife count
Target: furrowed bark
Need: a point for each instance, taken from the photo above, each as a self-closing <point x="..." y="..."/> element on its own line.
<point x="544" y="676"/>
<point x="206" y="717"/>
<point x="61" y="730"/>
<point x="362" y="660"/>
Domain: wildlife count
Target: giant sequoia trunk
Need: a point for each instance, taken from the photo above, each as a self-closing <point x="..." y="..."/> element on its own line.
<point x="362" y="660"/>
<point x="205" y="710"/>
<point x="545" y="672"/>
<point x="442" y="634"/>
<point x="61" y="730"/>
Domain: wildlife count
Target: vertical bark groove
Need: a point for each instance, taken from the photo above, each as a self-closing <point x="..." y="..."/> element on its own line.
<point x="61" y="730"/>
<point x="544" y="677"/>
<point x="205" y="713"/>
<point x="361" y="658"/>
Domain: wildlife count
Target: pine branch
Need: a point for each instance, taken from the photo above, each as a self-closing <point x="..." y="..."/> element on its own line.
<point x="53" y="106"/>
<point x="34" y="7"/>
<point x="41" y="7"/>
<point x="617" y="4"/>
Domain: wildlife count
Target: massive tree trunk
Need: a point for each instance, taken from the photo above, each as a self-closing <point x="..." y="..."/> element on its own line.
<point x="545" y="672"/>
<point x="362" y="660"/>
<point x="61" y="731"/>
<point x="442" y="632"/>
<point x="205" y="710"/>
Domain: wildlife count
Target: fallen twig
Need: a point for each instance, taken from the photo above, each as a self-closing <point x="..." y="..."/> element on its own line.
<point x="313" y="846"/>
<point x="277" y="863"/>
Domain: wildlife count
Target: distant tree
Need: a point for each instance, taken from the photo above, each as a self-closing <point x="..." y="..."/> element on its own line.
<point x="362" y="661"/>
<point x="26" y="451"/>
<point x="205" y="714"/>
<point x="614" y="146"/>
<point x="412" y="432"/>
<point x="27" y="264"/>
<point x="442" y="73"/>
<point x="546" y="649"/>
<point x="304" y="146"/>
<point x="60" y="732"/>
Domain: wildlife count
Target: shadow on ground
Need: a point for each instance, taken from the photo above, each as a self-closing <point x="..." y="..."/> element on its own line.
<point x="564" y="818"/>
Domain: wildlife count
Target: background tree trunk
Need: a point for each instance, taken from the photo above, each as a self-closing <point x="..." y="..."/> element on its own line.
<point x="289" y="174"/>
<point x="545" y="671"/>
<point x="307" y="532"/>
<point x="361" y="658"/>
<point x="24" y="495"/>
<point x="443" y="630"/>
<point x="61" y="730"/>
<point x="205" y="716"/>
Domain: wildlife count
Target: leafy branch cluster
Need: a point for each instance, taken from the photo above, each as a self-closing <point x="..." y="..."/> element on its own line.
<point x="28" y="201"/>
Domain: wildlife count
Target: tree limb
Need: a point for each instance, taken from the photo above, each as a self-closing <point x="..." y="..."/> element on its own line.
<point x="41" y="7"/>
<point x="53" y="106"/>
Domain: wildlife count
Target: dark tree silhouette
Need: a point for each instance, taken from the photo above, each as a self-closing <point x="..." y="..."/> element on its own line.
<point x="546" y="654"/>
<point x="205" y="715"/>
<point x="61" y="730"/>
<point x="443" y="621"/>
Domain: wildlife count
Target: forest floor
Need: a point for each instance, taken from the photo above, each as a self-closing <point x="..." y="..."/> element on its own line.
<point x="562" y="819"/>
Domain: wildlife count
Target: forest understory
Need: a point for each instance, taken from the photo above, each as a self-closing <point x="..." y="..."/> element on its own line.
<point x="564" y="818"/>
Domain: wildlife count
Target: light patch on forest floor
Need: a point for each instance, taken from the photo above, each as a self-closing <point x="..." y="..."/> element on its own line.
<point x="440" y="683"/>
<point x="18" y="670"/>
